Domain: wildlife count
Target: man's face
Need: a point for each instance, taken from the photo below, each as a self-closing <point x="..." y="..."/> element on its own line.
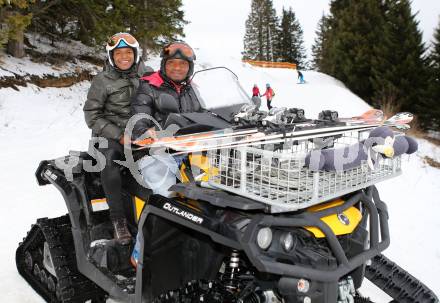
<point x="176" y="69"/>
<point x="123" y="58"/>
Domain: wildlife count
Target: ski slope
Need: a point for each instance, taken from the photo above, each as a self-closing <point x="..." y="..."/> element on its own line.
<point x="38" y="124"/>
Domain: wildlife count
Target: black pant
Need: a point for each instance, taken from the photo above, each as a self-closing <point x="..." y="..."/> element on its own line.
<point x="269" y="106"/>
<point x="111" y="178"/>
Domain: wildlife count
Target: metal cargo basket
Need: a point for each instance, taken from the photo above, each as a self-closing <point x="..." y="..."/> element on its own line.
<point x="276" y="174"/>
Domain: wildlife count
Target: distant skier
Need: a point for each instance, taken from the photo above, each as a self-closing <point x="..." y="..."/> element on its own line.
<point x="256" y="91"/>
<point x="301" y="77"/>
<point x="269" y="93"/>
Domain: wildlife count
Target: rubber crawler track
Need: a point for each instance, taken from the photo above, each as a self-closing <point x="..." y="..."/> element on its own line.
<point x="398" y="283"/>
<point x="69" y="285"/>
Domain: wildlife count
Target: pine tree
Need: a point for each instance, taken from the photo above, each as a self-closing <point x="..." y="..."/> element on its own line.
<point x="376" y="49"/>
<point x="318" y="45"/>
<point x="261" y="32"/>
<point x="13" y="21"/>
<point x="400" y="75"/>
<point x="55" y="23"/>
<point x="432" y="113"/>
<point x="270" y="31"/>
<point x="253" y="37"/>
<point x="89" y="21"/>
<point x="435" y="53"/>
<point x="96" y="20"/>
<point x="155" y="22"/>
<point x="291" y="43"/>
<point x="354" y="29"/>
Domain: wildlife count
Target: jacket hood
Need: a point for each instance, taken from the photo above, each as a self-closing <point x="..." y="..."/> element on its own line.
<point x="154" y="79"/>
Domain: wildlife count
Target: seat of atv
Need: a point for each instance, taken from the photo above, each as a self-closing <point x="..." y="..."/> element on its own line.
<point x="129" y="183"/>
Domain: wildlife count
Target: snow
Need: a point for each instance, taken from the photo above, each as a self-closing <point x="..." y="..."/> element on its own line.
<point x="22" y="67"/>
<point x="10" y="66"/>
<point x="320" y="93"/>
<point x="70" y="47"/>
<point x="39" y="124"/>
<point x="413" y="205"/>
<point x="35" y="124"/>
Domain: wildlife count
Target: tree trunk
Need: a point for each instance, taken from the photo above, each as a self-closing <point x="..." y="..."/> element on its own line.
<point x="16" y="46"/>
<point x="145" y="47"/>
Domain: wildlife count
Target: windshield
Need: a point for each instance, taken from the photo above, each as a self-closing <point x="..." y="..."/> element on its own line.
<point x="219" y="88"/>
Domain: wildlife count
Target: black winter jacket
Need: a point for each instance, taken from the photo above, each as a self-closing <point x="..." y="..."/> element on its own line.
<point x="158" y="98"/>
<point x="107" y="108"/>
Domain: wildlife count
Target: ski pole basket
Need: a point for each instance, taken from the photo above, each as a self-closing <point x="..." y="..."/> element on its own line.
<point x="277" y="174"/>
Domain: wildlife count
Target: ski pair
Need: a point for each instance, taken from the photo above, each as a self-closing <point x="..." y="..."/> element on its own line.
<point x="203" y="141"/>
<point x="370" y="116"/>
<point x="399" y="121"/>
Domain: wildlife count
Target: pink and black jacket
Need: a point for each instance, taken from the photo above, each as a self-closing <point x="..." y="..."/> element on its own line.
<point x="153" y="97"/>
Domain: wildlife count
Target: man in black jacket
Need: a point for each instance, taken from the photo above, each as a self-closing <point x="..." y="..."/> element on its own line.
<point x="171" y="84"/>
<point x="107" y="111"/>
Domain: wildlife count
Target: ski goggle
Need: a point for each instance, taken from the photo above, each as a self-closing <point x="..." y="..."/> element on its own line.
<point x="114" y="40"/>
<point x="185" y="50"/>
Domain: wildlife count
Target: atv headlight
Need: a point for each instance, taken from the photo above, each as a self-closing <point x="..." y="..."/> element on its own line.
<point x="264" y="122"/>
<point x="236" y="119"/>
<point x="286" y="240"/>
<point x="264" y="238"/>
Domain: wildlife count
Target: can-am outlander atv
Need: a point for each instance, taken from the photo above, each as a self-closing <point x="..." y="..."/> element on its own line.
<point x="249" y="223"/>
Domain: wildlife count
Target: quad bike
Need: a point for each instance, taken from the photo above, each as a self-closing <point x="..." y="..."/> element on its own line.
<point x="244" y="226"/>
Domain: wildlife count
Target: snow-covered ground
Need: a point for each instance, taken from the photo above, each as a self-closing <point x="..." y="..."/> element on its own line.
<point x="10" y="66"/>
<point x="38" y="124"/>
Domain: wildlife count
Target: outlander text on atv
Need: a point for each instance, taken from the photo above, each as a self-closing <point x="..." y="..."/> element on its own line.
<point x="248" y="224"/>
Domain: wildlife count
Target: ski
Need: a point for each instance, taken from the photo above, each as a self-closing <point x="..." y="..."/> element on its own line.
<point x="181" y="151"/>
<point x="399" y="120"/>
<point x="370" y="116"/>
<point x="307" y="128"/>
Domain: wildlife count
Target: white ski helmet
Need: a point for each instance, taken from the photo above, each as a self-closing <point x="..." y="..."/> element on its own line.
<point x="120" y="40"/>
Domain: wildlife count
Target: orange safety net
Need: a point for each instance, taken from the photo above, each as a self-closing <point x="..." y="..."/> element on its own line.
<point x="271" y="64"/>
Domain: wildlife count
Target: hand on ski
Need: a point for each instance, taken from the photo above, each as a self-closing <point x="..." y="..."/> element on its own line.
<point x="125" y="139"/>
<point x="149" y="138"/>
